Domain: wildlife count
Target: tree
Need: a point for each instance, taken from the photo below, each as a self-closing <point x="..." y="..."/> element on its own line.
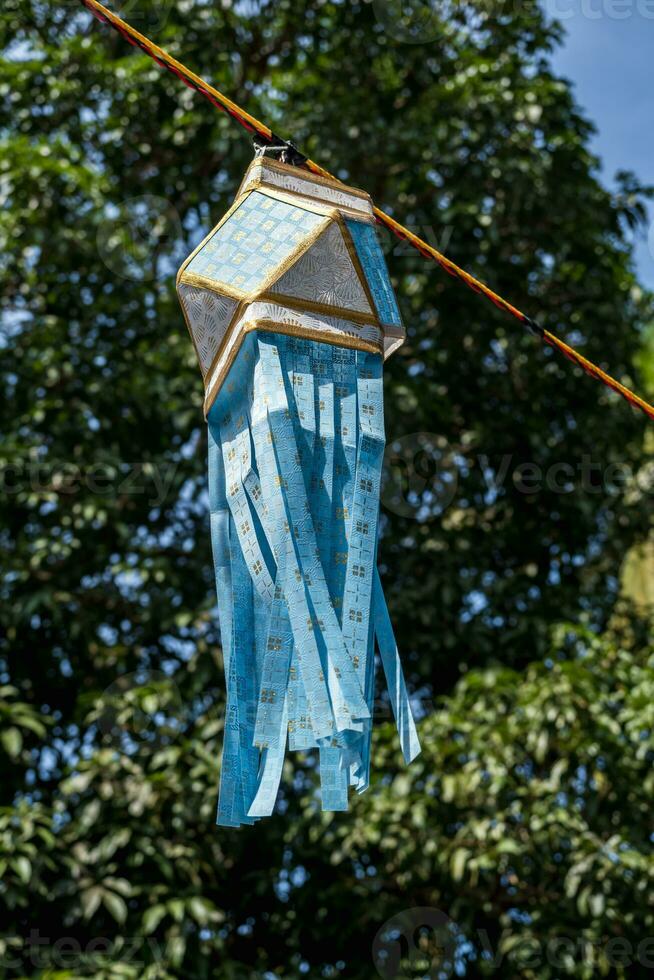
<point x="110" y="172"/>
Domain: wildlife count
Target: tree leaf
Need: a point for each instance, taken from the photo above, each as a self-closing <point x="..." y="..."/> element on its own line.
<point x="91" y="899"/>
<point x="115" y="905"/>
<point x="12" y="741"/>
<point x="152" y="917"/>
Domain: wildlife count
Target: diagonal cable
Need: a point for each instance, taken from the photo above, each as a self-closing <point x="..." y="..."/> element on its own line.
<point x="267" y="136"/>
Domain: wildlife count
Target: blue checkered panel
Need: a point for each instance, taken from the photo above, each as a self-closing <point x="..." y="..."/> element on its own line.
<point x="373" y="262"/>
<point x="260" y="234"/>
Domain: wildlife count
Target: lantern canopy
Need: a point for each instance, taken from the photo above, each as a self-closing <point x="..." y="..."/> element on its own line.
<point x="291" y="311"/>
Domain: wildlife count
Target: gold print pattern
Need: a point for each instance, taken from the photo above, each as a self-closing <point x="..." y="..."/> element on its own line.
<point x="325" y="274"/>
<point x="283" y="260"/>
<point x="208" y="315"/>
<point x="272" y="174"/>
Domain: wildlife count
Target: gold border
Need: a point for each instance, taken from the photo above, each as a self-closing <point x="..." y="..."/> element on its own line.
<point x="313" y="306"/>
<point x="280" y="270"/>
<point x="325" y="210"/>
<point x="193" y="279"/>
<point x="327" y="213"/>
<point x="228" y="329"/>
<point x="203" y="282"/>
<point x="264" y="293"/>
<point x="230" y="211"/>
<point x="260" y="163"/>
<point x="238" y="313"/>
<point x="208" y="284"/>
<point x="295" y="200"/>
<point x="335" y="338"/>
<point x="286" y="168"/>
<point x="260" y="184"/>
<point x="248" y="326"/>
<point x="299" y="307"/>
<point x="356" y="262"/>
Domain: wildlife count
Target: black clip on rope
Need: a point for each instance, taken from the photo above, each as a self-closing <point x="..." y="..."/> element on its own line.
<point x="534" y="328"/>
<point x="283" y="150"/>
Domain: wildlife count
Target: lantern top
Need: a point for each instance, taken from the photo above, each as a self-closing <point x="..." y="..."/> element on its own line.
<point x="270" y="173"/>
<point x="296" y="253"/>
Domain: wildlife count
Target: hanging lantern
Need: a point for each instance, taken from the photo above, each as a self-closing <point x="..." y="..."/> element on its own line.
<point x="291" y="311"/>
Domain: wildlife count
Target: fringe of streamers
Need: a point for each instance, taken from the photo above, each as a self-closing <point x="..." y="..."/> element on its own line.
<point x="296" y="441"/>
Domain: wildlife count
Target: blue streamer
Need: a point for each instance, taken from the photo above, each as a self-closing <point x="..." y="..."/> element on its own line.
<point x="296" y="439"/>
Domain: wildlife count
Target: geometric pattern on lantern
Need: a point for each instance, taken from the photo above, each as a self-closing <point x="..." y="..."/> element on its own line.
<point x="374" y="266"/>
<point x="325" y="274"/>
<point x="257" y="237"/>
<point x="209" y="315"/>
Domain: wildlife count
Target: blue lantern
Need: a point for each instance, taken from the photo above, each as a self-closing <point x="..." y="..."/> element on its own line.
<point x="292" y="313"/>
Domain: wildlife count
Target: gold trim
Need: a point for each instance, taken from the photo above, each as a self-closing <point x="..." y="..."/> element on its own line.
<point x="312" y="306"/>
<point x="267" y="192"/>
<point x="264" y="293"/>
<point x="314" y="332"/>
<point x="230" y="211"/>
<point x="246" y="175"/>
<point x="287" y="168"/>
<point x="233" y="323"/>
<point x="203" y="282"/>
<point x="295" y="200"/>
<point x="284" y="168"/>
<point x="249" y="326"/>
<point x="304" y="196"/>
<point x="259" y="182"/>
<point x="218" y="379"/>
<point x="265" y="290"/>
<point x="301" y="248"/>
<point x="335" y="338"/>
<point x="188" y="327"/>
<point x="356" y="262"/>
<point x="238" y="311"/>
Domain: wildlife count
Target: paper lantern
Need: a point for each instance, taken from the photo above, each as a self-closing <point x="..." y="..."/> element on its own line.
<point x="291" y="311"/>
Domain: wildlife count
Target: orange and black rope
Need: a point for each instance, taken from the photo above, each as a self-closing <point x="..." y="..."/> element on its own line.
<point x="265" y="134"/>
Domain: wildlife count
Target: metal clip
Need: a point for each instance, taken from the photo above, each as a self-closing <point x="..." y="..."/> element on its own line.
<point x="534" y="328"/>
<point x="283" y="150"/>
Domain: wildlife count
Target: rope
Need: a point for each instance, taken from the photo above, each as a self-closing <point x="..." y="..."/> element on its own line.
<point x="220" y="101"/>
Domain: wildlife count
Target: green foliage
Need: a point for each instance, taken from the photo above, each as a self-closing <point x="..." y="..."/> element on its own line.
<point x="526" y="818"/>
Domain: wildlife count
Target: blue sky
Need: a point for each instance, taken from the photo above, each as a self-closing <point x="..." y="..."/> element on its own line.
<point x="609" y="57"/>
